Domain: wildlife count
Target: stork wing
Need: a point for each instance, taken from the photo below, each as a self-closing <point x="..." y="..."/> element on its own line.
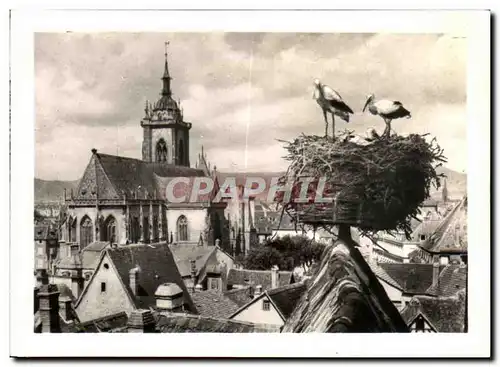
<point x="330" y="94"/>
<point x="384" y="106"/>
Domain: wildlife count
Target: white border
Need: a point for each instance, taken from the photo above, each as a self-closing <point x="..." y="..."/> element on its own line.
<point x="474" y="25"/>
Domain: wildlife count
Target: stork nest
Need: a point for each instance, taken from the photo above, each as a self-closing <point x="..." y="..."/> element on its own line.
<point x="375" y="186"/>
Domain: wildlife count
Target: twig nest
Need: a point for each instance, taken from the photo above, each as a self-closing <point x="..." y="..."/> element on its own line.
<point x="374" y="186"/>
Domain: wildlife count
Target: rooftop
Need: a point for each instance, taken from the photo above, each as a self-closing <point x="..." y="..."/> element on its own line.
<point x="214" y="304"/>
<point x="183" y="323"/>
<point x="446" y="314"/>
<point x="157" y="266"/>
<point x="344" y="295"/>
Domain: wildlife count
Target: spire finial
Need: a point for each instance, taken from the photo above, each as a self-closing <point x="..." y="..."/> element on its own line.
<point x="166" y="75"/>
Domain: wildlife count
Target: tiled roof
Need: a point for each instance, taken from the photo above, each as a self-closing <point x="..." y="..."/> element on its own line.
<point x="258" y="277"/>
<point x="451" y="234"/>
<point x="106" y="324"/>
<point x="412" y="278"/>
<point x="240" y="296"/>
<point x="214" y="304"/>
<point x="426" y="228"/>
<point x="45" y="232"/>
<point x="451" y="280"/>
<point x="97" y="246"/>
<point x="286" y="298"/>
<point x="344" y="295"/>
<point x="382" y="274"/>
<point x="157" y="267"/>
<point x="184" y="189"/>
<point x="446" y="314"/>
<point x="184" y="254"/>
<point x="182" y="323"/>
<point x="112" y="177"/>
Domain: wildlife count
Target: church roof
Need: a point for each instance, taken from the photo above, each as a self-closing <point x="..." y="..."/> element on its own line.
<point x="114" y="177"/>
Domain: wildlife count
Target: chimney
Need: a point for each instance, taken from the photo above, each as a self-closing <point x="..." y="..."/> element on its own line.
<point x="141" y="321"/>
<point x="133" y="276"/>
<point x="193" y="274"/>
<point x="42" y="277"/>
<point x="65" y="308"/>
<point x="258" y="291"/>
<point x="435" y="270"/>
<point x="274" y="277"/>
<point x="169" y="297"/>
<point x="48" y="296"/>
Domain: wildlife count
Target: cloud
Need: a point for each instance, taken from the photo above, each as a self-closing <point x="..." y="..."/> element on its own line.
<point x="240" y="91"/>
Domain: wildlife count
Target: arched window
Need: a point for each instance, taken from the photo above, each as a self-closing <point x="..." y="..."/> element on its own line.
<point x="72" y="230"/>
<point x="86" y="230"/>
<point x="135" y="229"/>
<point x="155" y="228"/>
<point x="182" y="228"/>
<point x="217" y="227"/>
<point x="145" y="228"/>
<point x="109" y="233"/>
<point x="161" y="151"/>
<point x="181" y="151"/>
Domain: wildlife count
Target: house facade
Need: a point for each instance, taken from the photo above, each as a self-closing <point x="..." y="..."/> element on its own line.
<point x="127" y="279"/>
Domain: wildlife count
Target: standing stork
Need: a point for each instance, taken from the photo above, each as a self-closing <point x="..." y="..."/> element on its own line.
<point x="330" y="101"/>
<point x="388" y="110"/>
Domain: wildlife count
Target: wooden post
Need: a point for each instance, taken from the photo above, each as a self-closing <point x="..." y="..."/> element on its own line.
<point x="345" y="233"/>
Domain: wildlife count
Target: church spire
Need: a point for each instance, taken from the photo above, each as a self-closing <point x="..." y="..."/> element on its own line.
<point x="166" y="91"/>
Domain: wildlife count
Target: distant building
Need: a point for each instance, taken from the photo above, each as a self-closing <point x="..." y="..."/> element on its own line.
<point x="46" y="246"/>
<point x="449" y="239"/>
<point x="267" y="279"/>
<point x="207" y="266"/>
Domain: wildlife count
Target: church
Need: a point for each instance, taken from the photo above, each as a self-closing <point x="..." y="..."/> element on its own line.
<point x="122" y="201"/>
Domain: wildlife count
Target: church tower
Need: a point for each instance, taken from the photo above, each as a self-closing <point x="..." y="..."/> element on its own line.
<point x="166" y="134"/>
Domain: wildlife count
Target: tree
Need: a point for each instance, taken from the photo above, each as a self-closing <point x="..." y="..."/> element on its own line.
<point x="287" y="252"/>
<point x="264" y="257"/>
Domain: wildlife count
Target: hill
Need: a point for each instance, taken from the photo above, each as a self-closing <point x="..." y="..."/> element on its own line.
<point x="50" y="191"/>
<point x="47" y="191"/>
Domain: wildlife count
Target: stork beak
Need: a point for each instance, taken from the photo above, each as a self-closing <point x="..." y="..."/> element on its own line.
<point x="366" y="104"/>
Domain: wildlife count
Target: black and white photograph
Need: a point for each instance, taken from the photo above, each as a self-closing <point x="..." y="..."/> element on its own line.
<point x="255" y="180"/>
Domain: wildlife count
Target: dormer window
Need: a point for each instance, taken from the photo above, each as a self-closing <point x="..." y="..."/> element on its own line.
<point x="422" y="237"/>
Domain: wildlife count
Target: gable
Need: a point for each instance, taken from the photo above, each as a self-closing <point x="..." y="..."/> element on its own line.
<point x="254" y="312"/>
<point x="94" y="303"/>
<point x="157" y="267"/>
<point x="421" y="324"/>
<point x="94" y="182"/>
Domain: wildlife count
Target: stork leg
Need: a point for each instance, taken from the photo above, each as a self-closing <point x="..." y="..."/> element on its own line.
<point x="333" y="125"/>
<point x="326" y="123"/>
<point x="387" y="131"/>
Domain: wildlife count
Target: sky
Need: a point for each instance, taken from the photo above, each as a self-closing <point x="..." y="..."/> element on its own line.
<point x="243" y="92"/>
